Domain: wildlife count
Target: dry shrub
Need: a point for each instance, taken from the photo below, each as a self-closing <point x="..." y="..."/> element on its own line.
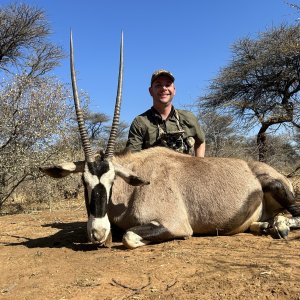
<point x="45" y="193"/>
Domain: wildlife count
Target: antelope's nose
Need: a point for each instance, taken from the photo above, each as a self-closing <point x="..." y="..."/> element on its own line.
<point x="98" y="236"/>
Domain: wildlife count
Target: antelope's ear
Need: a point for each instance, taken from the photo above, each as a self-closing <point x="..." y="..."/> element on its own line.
<point x="64" y="169"/>
<point x="129" y="176"/>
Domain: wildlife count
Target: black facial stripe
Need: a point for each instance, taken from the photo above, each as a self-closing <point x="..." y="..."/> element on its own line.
<point x="98" y="168"/>
<point x="98" y="204"/>
<point x="86" y="198"/>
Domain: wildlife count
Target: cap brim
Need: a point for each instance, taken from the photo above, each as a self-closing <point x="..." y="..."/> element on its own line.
<point x="162" y="74"/>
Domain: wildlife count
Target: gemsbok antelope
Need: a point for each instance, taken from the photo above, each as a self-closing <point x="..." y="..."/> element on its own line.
<point x="158" y="194"/>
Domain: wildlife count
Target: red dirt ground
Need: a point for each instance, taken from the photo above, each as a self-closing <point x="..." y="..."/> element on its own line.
<point x="46" y="256"/>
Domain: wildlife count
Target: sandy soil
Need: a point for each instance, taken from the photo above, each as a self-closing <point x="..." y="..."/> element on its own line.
<point x="46" y="256"/>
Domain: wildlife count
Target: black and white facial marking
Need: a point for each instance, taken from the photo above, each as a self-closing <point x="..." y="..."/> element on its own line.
<point x="98" y="178"/>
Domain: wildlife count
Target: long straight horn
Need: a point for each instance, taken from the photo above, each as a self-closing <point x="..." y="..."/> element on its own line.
<point x="82" y="130"/>
<point x="115" y="123"/>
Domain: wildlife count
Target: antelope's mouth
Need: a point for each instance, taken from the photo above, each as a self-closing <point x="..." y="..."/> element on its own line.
<point x="98" y="229"/>
<point x="105" y="240"/>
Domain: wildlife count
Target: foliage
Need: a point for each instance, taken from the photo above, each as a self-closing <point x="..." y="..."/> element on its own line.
<point x="23" y="44"/>
<point x="33" y="115"/>
<point x="37" y="126"/>
<point x="224" y="139"/>
<point x="121" y="137"/>
<point x="260" y="85"/>
<point x="218" y="131"/>
<point x="94" y="123"/>
<point x="33" y="107"/>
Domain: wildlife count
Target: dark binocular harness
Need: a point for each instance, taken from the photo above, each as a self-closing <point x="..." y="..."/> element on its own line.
<point x="175" y="140"/>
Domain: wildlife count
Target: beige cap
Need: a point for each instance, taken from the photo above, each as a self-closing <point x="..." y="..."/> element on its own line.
<point x="161" y="72"/>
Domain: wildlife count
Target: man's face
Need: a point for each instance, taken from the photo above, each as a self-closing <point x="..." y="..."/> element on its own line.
<point x="162" y="90"/>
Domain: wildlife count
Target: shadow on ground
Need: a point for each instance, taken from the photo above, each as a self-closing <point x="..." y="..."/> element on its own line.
<point x="70" y="235"/>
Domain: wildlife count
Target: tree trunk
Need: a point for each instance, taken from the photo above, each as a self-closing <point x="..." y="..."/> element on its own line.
<point x="262" y="143"/>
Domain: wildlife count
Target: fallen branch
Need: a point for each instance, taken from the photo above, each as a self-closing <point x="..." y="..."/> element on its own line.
<point x="136" y="290"/>
<point x="171" y="284"/>
<point x="293" y="173"/>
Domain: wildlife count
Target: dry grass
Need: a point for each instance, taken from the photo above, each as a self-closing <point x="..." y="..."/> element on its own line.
<point x="16" y="207"/>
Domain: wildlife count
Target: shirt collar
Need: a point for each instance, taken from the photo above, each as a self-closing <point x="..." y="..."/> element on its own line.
<point x="158" y="116"/>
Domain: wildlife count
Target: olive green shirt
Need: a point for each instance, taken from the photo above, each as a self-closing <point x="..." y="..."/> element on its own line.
<point x="144" y="132"/>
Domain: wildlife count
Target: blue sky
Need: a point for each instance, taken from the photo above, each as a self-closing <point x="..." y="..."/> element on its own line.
<point x="191" y="38"/>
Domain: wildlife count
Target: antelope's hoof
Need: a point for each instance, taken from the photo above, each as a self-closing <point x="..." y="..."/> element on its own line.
<point x="281" y="228"/>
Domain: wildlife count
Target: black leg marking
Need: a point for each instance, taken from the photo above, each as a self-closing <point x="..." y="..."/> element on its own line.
<point x="280" y="193"/>
<point x="294" y="209"/>
<point x="145" y="234"/>
<point x="153" y="232"/>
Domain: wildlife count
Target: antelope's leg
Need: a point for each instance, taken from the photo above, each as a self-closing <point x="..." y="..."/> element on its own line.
<point x="294" y="222"/>
<point x="260" y="227"/>
<point x="152" y="232"/>
<point x="282" y="225"/>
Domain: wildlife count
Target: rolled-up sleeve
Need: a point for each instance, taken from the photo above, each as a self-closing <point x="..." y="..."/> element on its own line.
<point x="135" y="136"/>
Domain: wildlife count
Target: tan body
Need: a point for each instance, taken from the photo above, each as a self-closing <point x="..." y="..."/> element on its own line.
<point x="188" y="195"/>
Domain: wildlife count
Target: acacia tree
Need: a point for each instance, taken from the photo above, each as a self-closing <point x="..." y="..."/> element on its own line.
<point x="33" y="107"/>
<point x="95" y="124"/>
<point x="23" y="41"/>
<point x="36" y="117"/>
<point x="121" y="137"/>
<point x="260" y="85"/>
<point x="32" y="118"/>
<point x="217" y="130"/>
<point x="98" y="129"/>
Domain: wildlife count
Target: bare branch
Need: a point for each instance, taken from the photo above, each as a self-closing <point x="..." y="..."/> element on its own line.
<point x="261" y="83"/>
<point x="23" y="30"/>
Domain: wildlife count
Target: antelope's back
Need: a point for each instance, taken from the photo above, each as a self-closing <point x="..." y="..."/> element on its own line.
<point x="213" y="190"/>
